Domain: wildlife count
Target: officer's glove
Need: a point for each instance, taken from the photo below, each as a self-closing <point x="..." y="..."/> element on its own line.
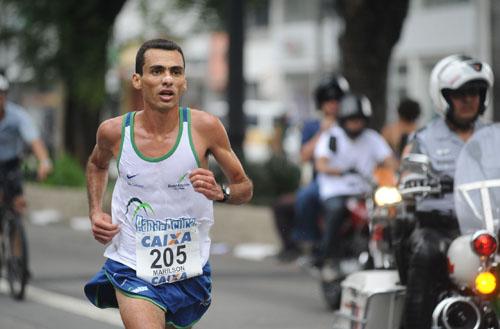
<point x="446" y="182"/>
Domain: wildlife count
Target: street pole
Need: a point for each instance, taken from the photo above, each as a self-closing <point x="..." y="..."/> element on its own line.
<point x="495" y="52"/>
<point x="236" y="82"/>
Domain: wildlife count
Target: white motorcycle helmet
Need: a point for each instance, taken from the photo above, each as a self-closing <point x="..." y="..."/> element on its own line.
<point x="455" y="72"/>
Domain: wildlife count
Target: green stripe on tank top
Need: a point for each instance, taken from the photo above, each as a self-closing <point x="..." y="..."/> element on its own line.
<point x="163" y="157"/>
<point x="191" y="138"/>
<point x="122" y="138"/>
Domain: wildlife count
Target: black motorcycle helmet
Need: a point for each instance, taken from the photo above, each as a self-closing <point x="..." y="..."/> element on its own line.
<point x="354" y="106"/>
<point x="333" y="87"/>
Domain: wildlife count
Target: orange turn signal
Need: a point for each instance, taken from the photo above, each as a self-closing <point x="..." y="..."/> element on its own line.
<point x="486" y="283"/>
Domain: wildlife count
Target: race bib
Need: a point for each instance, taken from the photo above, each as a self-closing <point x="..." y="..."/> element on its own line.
<point x="169" y="252"/>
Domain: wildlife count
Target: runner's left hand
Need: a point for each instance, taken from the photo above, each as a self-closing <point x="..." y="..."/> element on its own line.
<point x="204" y="182"/>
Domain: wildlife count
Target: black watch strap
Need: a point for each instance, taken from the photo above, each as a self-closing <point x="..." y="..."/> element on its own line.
<point x="226" y="193"/>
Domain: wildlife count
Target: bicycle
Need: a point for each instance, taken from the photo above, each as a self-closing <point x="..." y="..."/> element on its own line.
<point x="13" y="246"/>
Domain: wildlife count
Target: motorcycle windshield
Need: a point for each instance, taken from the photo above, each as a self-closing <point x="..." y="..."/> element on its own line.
<point x="477" y="182"/>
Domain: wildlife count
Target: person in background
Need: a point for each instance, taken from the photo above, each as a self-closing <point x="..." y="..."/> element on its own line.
<point x="296" y="214"/>
<point x="460" y="90"/>
<point x="16" y="131"/>
<point x="397" y="133"/>
<point x="283" y="207"/>
<point x="328" y="95"/>
<point x="346" y="156"/>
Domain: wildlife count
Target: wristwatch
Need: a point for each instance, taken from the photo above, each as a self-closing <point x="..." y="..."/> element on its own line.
<point x="226" y="191"/>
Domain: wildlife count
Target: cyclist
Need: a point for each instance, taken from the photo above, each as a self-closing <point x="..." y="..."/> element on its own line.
<point x="460" y="90"/>
<point x="17" y="130"/>
<point x="157" y="271"/>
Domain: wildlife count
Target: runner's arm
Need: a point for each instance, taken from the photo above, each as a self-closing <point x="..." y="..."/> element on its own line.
<point x="108" y="137"/>
<point x="203" y="180"/>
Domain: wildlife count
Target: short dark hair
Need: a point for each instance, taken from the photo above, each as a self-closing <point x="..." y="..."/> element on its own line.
<point x="409" y="110"/>
<point x="155" y="44"/>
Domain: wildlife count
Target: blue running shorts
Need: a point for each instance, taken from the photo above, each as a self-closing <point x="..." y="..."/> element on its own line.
<point x="184" y="302"/>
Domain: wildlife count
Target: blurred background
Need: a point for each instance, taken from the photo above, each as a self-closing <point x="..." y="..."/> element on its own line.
<point x="253" y="63"/>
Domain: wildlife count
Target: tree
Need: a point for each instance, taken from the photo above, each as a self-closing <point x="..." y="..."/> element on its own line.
<point x="230" y="16"/>
<point x="66" y="40"/>
<point x="372" y="28"/>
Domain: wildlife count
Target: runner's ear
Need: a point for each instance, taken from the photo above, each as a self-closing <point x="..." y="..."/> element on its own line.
<point x="137" y="81"/>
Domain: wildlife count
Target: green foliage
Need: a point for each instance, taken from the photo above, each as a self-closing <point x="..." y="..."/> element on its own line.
<point x="67" y="172"/>
<point x="64" y="41"/>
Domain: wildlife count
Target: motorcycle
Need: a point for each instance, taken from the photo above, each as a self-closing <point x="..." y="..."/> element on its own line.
<point x="473" y="257"/>
<point x="374" y="299"/>
<point x="356" y="240"/>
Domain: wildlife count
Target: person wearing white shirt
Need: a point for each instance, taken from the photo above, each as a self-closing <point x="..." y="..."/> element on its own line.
<point x="346" y="156"/>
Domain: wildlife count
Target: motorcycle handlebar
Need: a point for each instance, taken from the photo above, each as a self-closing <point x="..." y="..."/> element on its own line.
<point x="420" y="185"/>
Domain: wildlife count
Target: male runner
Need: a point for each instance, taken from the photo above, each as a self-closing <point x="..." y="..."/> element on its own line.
<point x="157" y="271"/>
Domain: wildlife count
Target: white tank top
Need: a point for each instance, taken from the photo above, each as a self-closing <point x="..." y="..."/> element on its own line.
<point x="156" y="192"/>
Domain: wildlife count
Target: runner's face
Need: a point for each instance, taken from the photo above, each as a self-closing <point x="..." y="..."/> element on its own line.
<point x="163" y="80"/>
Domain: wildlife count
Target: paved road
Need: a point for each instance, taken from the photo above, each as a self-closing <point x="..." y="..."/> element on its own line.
<point x="247" y="294"/>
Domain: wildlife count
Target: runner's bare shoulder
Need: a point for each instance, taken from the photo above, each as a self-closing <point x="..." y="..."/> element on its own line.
<point x="110" y="131"/>
<point x="206" y="124"/>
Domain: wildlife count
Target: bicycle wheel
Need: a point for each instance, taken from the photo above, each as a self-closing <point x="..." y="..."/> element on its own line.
<point x="15" y="255"/>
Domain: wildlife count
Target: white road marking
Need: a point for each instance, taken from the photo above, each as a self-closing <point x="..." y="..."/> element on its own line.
<point x="80" y="223"/>
<point x="68" y="304"/>
<point x="45" y="216"/>
<point x="254" y="251"/>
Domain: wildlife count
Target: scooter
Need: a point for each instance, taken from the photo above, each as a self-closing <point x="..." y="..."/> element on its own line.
<point x="374" y="299"/>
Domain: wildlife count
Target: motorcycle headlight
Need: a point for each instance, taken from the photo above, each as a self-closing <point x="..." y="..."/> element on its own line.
<point x="485" y="283"/>
<point x="387" y="196"/>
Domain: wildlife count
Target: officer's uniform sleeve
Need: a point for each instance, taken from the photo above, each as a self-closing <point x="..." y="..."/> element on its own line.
<point x="27" y="128"/>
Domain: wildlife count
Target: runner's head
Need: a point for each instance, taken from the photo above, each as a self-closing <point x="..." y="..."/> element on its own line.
<point x="155" y="44"/>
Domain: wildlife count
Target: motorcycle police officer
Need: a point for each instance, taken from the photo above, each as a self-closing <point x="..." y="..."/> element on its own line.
<point x="460" y="90"/>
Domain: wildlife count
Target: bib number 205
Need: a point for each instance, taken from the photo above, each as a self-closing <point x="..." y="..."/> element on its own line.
<point x="169" y="256"/>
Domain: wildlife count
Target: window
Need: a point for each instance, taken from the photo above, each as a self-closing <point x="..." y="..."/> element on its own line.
<point x="300" y="10"/>
<point x="258" y="14"/>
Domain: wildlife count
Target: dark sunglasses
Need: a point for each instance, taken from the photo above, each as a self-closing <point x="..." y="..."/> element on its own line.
<point x="463" y="92"/>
